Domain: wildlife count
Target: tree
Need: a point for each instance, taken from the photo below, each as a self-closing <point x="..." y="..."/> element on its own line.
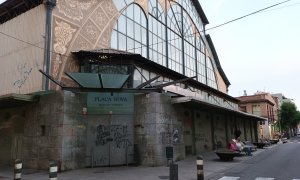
<point x="289" y="116"/>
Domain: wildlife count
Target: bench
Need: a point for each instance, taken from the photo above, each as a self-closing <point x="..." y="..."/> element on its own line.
<point x="284" y="140"/>
<point x="274" y="141"/>
<point x="259" y="145"/>
<point x="227" y="154"/>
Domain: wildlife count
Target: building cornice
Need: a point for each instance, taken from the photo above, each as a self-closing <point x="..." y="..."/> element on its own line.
<point x="13" y="8"/>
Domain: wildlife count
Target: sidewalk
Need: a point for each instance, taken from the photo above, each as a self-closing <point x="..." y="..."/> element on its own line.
<point x="186" y="170"/>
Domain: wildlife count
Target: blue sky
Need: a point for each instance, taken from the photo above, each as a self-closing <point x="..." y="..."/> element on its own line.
<point x="260" y="52"/>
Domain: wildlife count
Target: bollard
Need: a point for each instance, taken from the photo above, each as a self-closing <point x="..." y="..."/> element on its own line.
<point x="18" y="169"/>
<point x="200" y="172"/>
<point x="53" y="170"/>
<point x="173" y="171"/>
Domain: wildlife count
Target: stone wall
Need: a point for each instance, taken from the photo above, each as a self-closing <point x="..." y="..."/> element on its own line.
<point x="11" y="130"/>
<point x="157" y="126"/>
<point x="74" y="130"/>
<point x="51" y="129"/>
<point x="42" y="131"/>
<point x="220" y="140"/>
<point x="203" y="136"/>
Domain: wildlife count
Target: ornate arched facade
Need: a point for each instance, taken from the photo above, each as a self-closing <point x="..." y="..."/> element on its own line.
<point x="171" y="92"/>
<point x="169" y="33"/>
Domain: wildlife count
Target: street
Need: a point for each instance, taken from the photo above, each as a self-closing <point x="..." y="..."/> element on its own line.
<point x="280" y="163"/>
<point x="277" y="162"/>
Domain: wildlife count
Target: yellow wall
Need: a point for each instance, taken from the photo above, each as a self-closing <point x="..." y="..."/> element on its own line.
<point x="221" y="84"/>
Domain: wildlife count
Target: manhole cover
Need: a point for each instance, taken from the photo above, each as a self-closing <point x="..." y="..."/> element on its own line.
<point x="163" y="177"/>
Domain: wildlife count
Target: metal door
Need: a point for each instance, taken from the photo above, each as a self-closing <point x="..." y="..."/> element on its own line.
<point x="110" y="145"/>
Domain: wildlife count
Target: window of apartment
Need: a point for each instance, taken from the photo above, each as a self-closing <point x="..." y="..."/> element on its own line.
<point x="243" y="108"/>
<point x="256" y="110"/>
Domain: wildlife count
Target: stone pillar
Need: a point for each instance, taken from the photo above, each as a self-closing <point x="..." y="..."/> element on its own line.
<point x="156" y="126"/>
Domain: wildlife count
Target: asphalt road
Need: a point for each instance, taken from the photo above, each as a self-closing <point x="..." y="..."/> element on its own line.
<point x="281" y="162"/>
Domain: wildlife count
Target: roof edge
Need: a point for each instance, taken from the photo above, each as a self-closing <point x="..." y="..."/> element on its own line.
<point x="214" y="53"/>
<point x="200" y="11"/>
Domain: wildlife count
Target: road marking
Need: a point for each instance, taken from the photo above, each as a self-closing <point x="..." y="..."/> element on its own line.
<point x="229" y="178"/>
<point x="258" y="178"/>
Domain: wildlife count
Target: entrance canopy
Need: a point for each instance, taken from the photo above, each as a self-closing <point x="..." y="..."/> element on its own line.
<point x="97" y="80"/>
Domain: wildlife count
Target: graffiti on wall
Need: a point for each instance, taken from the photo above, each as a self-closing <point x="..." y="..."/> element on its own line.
<point x="101" y="160"/>
<point x="170" y="137"/>
<point x="24" y="71"/>
<point x="116" y="134"/>
<point x="200" y="137"/>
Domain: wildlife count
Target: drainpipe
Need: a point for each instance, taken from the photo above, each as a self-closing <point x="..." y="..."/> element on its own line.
<point x="49" y="4"/>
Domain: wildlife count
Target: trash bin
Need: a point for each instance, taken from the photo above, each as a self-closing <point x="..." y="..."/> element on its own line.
<point x="169" y="152"/>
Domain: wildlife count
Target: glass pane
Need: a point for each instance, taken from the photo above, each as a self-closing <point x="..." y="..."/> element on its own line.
<point x="122" y="24"/>
<point x="122" y="42"/>
<point x="137" y="32"/>
<point x="129" y="12"/>
<point x="130" y="28"/>
<point x="130" y="45"/>
<point x="114" y="40"/>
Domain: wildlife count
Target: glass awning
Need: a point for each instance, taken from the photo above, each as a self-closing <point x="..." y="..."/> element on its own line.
<point x="99" y="80"/>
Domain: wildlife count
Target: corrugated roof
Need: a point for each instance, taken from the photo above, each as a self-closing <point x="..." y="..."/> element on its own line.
<point x="185" y="100"/>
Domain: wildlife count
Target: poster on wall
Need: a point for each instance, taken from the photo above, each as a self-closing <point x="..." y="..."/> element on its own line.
<point x="110" y="103"/>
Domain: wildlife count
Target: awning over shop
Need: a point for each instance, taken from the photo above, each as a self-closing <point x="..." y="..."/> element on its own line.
<point x="15" y="100"/>
<point x="196" y="102"/>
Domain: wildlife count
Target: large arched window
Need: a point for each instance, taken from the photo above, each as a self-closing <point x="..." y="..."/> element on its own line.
<point x="189" y="47"/>
<point x="175" y="58"/>
<point x="130" y="32"/>
<point x="201" y="65"/>
<point x="211" y="78"/>
<point x="157" y="33"/>
<point x="172" y="39"/>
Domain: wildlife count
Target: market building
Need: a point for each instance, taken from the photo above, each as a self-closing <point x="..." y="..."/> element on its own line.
<point x="112" y="82"/>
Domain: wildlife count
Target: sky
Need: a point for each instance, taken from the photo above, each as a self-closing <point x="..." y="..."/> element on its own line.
<point x="259" y="53"/>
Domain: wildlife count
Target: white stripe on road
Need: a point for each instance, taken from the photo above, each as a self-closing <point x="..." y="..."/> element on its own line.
<point x="229" y="178"/>
<point x="258" y="178"/>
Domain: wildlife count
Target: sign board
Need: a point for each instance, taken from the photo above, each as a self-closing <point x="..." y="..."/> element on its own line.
<point x="110" y="103"/>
